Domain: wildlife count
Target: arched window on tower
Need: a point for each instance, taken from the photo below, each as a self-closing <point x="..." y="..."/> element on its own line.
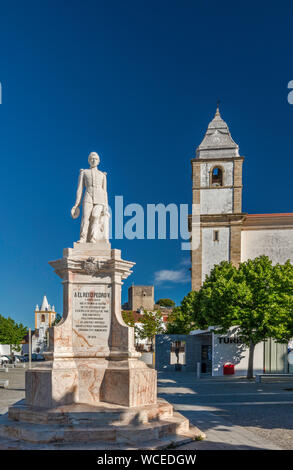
<point x="217" y="177"/>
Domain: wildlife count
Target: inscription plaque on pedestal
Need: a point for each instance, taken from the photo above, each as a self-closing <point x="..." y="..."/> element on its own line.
<point x="91" y="316"/>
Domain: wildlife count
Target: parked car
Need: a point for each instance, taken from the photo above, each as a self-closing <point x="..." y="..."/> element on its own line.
<point x="10" y="358"/>
<point x="18" y="358"/>
<point x="35" y="357"/>
<point x="40" y="357"/>
<point x="13" y="359"/>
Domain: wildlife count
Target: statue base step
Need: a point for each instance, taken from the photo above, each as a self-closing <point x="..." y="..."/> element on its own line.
<point x="103" y="427"/>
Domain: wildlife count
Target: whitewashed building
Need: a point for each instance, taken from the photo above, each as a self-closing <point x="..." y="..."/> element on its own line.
<point x="229" y="234"/>
<point x="44" y="318"/>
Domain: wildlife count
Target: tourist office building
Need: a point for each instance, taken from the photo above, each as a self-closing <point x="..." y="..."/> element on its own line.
<point x="227" y="233"/>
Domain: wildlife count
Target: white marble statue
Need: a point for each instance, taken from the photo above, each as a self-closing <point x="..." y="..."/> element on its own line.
<point x="95" y="214"/>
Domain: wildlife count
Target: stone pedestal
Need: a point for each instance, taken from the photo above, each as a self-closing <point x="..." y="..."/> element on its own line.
<point x="91" y="355"/>
<point x="93" y="392"/>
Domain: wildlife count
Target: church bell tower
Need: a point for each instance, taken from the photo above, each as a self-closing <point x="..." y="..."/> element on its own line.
<point x="217" y="192"/>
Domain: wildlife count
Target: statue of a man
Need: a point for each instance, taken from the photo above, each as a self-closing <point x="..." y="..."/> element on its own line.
<point x="95" y="214"/>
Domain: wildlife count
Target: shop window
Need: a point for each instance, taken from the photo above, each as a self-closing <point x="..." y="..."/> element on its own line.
<point x="177" y="352"/>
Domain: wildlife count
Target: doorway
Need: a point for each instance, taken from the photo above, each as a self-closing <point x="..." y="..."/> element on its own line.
<point x="206" y="359"/>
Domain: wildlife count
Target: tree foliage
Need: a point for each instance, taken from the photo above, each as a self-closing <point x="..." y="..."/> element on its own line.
<point x="166" y="302"/>
<point x="128" y="318"/>
<point x="151" y="324"/>
<point x="11" y="333"/>
<point x="181" y="320"/>
<point x="58" y="318"/>
<point x="257" y="297"/>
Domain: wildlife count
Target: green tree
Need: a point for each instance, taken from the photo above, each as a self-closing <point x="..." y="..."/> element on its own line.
<point x="151" y="325"/>
<point x="166" y="302"/>
<point x="257" y="297"/>
<point x="181" y="320"/>
<point x="128" y="318"/>
<point x="58" y="318"/>
<point x="11" y="333"/>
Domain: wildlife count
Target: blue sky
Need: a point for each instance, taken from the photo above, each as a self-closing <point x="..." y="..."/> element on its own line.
<point x="136" y="81"/>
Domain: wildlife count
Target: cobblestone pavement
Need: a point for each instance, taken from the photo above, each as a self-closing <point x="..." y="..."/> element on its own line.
<point x="15" y="391"/>
<point x="233" y="412"/>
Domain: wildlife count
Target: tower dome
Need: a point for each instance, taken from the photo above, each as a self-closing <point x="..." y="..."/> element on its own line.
<point x="217" y="142"/>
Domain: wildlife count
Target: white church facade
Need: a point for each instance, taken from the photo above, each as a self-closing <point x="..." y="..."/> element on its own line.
<point x="229" y="234"/>
<point x="44" y="318"/>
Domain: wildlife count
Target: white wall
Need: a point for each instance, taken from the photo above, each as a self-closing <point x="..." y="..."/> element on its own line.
<point x="276" y="244"/>
<point x="216" y="201"/>
<point x="236" y="354"/>
<point x="213" y="252"/>
<point x="4" y="349"/>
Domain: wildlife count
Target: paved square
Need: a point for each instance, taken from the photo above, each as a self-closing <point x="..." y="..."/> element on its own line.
<point x="15" y="390"/>
<point x="233" y="412"/>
